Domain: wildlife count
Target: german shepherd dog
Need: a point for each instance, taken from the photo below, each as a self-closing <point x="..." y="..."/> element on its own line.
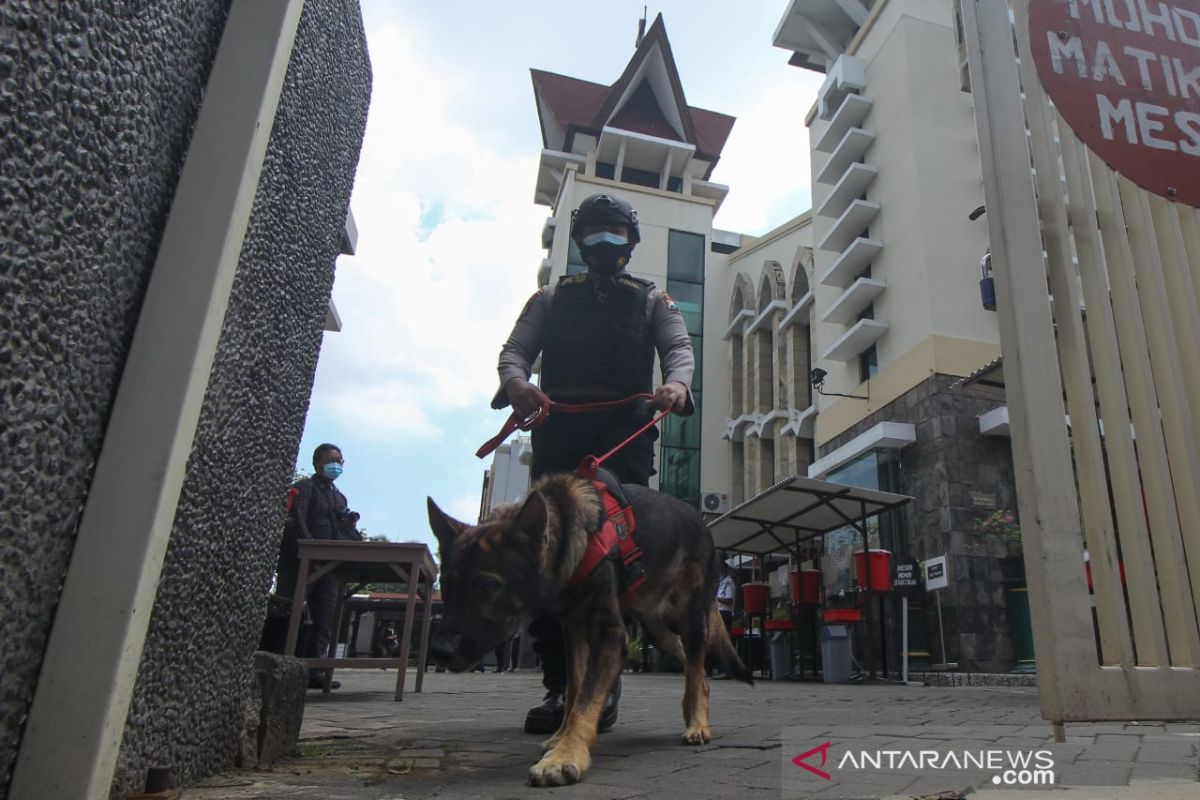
<point x="518" y="562"/>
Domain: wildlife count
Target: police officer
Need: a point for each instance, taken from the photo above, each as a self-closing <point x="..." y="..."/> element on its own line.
<point x="597" y="333"/>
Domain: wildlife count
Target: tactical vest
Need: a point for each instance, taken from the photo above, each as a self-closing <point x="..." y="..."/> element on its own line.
<point x="597" y="343"/>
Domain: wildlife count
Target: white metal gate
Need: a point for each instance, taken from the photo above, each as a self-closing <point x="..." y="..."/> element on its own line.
<point x="1108" y="273"/>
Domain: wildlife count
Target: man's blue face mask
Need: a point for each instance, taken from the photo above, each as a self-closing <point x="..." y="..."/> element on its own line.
<point x="605" y="237"/>
<point x="605" y="252"/>
<point x="332" y="470"/>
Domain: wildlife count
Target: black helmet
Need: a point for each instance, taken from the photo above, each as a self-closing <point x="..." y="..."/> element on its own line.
<point x="602" y="209"/>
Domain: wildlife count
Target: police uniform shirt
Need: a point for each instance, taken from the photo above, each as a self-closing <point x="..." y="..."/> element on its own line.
<point x="667" y="327"/>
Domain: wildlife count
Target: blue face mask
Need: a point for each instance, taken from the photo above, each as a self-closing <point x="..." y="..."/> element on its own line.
<point x="332" y="470"/>
<point x="605" y="237"/>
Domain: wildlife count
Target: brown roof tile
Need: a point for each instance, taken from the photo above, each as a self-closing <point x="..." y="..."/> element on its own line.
<point x="582" y="105"/>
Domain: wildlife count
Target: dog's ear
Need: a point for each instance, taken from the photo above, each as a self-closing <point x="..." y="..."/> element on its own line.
<point x="445" y="527"/>
<point x="531" y="521"/>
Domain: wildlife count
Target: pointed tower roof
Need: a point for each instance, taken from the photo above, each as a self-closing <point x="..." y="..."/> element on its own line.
<point x="647" y="99"/>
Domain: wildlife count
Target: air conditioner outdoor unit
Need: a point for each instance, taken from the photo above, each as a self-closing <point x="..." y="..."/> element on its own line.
<point x="714" y="502"/>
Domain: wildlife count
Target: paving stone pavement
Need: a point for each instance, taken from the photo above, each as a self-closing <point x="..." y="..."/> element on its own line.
<point x="461" y="738"/>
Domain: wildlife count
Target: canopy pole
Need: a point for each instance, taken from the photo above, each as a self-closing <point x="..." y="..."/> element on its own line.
<point x="870" y="616"/>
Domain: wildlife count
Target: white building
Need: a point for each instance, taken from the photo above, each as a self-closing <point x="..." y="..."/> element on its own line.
<point x="894" y="318"/>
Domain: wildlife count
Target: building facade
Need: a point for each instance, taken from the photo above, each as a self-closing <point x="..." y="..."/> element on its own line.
<point x="896" y="317"/>
<point x="507" y="478"/>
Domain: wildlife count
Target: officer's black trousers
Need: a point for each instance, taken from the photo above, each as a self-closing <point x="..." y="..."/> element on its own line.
<point x="559" y="444"/>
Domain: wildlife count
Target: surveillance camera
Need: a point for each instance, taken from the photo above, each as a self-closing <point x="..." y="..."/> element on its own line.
<point x="817" y="376"/>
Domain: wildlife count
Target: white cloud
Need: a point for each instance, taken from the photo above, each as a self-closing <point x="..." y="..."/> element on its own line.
<point x="766" y="160"/>
<point x="447" y="254"/>
<point x="464" y="507"/>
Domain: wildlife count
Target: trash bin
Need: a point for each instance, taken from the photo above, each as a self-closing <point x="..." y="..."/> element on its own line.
<point x="781" y="655"/>
<point x="835" y="653"/>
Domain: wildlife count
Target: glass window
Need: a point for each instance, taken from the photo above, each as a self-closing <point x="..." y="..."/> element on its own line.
<point x="868" y="364"/>
<point x="690" y="299"/>
<point x="682" y="431"/>
<point x="640" y="177"/>
<point x="605" y="169"/>
<point x="680" y="474"/>
<point x="879" y="469"/>
<point x="698" y="375"/>
<point x="861" y="472"/>
<point x="685" y="256"/>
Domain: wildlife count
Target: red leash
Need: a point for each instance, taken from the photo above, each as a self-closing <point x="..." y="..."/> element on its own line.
<point x="587" y="468"/>
<point x="516" y="422"/>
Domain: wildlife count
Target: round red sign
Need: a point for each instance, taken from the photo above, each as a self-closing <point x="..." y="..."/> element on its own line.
<point x="1125" y="74"/>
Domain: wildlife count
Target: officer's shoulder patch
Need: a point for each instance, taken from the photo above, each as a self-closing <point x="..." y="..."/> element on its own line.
<point x="529" y="303"/>
<point x="571" y="280"/>
<point x="635" y="280"/>
<point x="671" y="304"/>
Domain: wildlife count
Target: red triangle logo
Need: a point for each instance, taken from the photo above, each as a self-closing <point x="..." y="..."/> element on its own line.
<point x="823" y="749"/>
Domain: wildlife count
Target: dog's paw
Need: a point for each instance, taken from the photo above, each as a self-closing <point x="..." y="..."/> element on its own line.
<point x="554" y="772"/>
<point x="550" y="743"/>
<point x="697" y="735"/>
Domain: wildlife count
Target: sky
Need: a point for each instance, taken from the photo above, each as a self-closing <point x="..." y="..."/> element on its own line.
<point x="449" y="235"/>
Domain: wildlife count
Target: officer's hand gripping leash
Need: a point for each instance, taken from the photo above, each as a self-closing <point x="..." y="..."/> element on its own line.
<point x="587" y="467"/>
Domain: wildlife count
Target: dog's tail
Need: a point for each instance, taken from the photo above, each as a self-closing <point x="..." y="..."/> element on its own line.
<point x="721" y="649"/>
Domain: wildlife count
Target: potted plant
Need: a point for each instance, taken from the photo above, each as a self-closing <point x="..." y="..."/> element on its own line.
<point x="1002" y="526"/>
<point x="634" y="651"/>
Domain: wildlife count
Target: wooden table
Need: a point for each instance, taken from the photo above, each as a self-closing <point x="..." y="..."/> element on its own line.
<point x="356" y="564"/>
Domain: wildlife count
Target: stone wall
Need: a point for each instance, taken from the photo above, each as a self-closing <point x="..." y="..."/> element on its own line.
<point x="97" y="104"/>
<point x="194" y="680"/>
<point x="949" y="461"/>
<point x="97" y="101"/>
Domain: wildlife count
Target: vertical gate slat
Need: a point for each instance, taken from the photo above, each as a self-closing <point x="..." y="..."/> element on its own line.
<point x="1142" y="393"/>
<point x="1088" y="213"/>
<point x="1189" y="222"/>
<point x="1071" y="346"/>
<point x="1185" y="328"/>
<point x="1165" y="531"/>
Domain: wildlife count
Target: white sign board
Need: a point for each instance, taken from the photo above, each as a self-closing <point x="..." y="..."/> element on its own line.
<point x="936" y="574"/>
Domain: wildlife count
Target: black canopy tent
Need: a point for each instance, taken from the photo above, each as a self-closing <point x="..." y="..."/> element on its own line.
<point x="797" y="509"/>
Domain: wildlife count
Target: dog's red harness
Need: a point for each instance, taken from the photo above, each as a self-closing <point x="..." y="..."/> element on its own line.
<point x="614" y="540"/>
<point x="615" y="537"/>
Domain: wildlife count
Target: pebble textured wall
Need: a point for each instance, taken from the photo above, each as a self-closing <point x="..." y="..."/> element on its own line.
<point x="193" y="682"/>
<point x="97" y="100"/>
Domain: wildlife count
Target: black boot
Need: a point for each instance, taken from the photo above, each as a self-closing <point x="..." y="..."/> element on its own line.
<point x="547" y="717"/>
<point x="608" y="717"/>
<point x="316" y="680"/>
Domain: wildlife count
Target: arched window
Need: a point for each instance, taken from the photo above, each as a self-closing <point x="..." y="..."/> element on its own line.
<point x="737" y="377"/>
<point x="800" y="334"/>
<point x="764" y="347"/>
<point x="739" y="381"/>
